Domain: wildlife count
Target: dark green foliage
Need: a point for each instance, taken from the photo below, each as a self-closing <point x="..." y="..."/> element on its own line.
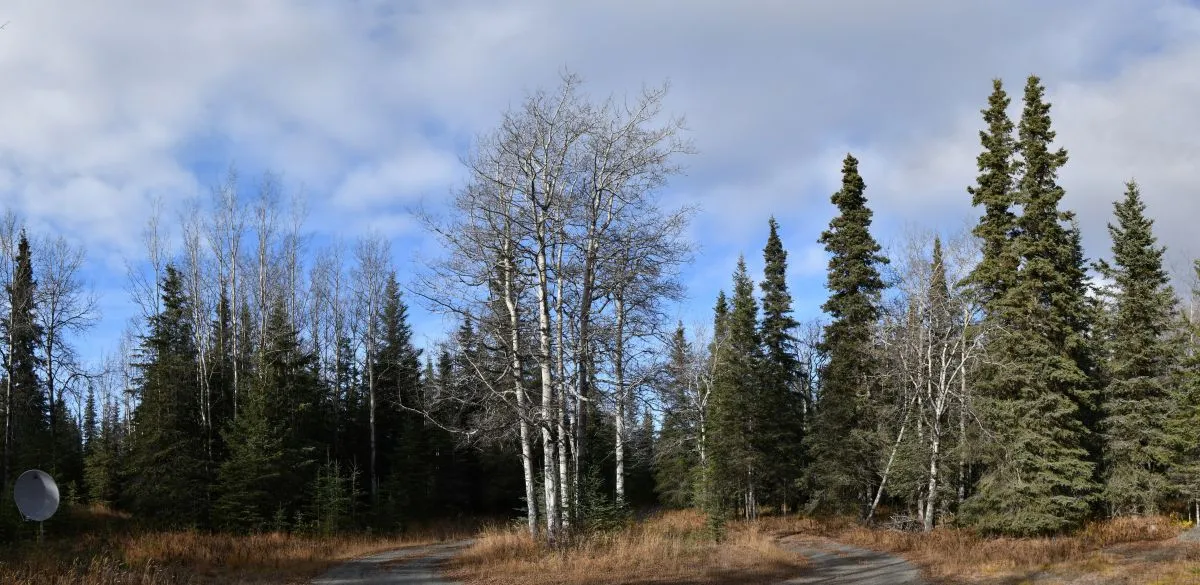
<point x="780" y="436"/>
<point x="839" y="441"/>
<point x="27" y="427"/>
<point x="677" y="458"/>
<point x="1142" y="358"/>
<point x="67" y="467"/>
<point x="1184" y="422"/>
<point x="737" y="463"/>
<point x="167" y="479"/>
<point x="1038" y="396"/>
<point x="406" y="479"/>
<point x="103" y="462"/>
<point x="639" y="469"/>
<point x="601" y="512"/>
<point x="994" y="191"/>
<point x="220" y="380"/>
<point x="91" y="426"/>
<point x="274" y="442"/>
<point x="333" y="497"/>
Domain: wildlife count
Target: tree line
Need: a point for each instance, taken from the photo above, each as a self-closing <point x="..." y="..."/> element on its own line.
<point x="990" y="382"/>
<point x="984" y="379"/>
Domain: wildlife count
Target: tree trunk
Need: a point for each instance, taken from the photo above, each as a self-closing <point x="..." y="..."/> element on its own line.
<point x="546" y="352"/>
<point x="50" y="390"/>
<point x="619" y="369"/>
<point x="931" y="494"/>
<point x="962" y="440"/>
<point x="234" y="312"/>
<point x="8" y="403"/>
<point x="514" y="340"/>
<point x="888" y="468"/>
<point x="562" y="432"/>
<point x="370" y="366"/>
<point x="583" y="366"/>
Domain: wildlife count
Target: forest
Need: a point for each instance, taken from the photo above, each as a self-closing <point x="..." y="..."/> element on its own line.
<point x="996" y="379"/>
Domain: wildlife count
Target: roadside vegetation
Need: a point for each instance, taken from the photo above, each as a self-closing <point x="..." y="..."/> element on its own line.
<point x="103" y="547"/>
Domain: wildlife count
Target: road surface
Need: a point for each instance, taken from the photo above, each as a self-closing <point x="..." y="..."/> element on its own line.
<point x="834" y="563"/>
<point x="417" y="565"/>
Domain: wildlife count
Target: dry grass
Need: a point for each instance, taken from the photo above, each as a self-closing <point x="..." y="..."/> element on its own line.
<point x="126" y="556"/>
<point x="1127" y="551"/>
<point x="669" y="548"/>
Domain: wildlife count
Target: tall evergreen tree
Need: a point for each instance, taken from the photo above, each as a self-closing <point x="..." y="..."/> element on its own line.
<point x="839" y="441"/>
<point x="1040" y="477"/>
<point x="995" y="191"/>
<point x="736" y="417"/>
<point x="710" y="490"/>
<point x="102" y="463"/>
<point x="406" y="479"/>
<point x="166" y="465"/>
<point x="27" y="430"/>
<point x="1142" y="358"/>
<point x="677" y="462"/>
<point x="91" y="421"/>
<point x="781" y="435"/>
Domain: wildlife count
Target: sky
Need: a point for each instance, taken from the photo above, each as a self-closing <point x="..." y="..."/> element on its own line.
<point x="367" y="105"/>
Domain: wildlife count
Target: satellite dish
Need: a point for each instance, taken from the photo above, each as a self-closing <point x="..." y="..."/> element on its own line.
<point x="36" y="495"/>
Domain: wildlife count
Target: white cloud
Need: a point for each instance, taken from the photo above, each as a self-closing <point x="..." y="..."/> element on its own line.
<point x="365" y="103"/>
<point x="399" y="178"/>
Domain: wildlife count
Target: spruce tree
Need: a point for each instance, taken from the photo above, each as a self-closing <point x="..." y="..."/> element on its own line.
<point x="839" y="442"/>
<point x="711" y="492"/>
<point x="1038" y="397"/>
<point x="405" y="477"/>
<point x="781" y="435"/>
<point x="168" y="483"/>
<point x="1142" y="358"/>
<point x="27" y="432"/>
<point x="677" y="459"/>
<point x="102" y="463"/>
<point x="738" y="412"/>
<point x="67" y="465"/>
<point x="994" y="191"/>
<point x="274" y="443"/>
<point x="90" y="421"/>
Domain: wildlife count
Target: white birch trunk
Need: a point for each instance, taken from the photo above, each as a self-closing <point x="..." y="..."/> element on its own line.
<point x="619" y="367"/>
<point x="549" y="471"/>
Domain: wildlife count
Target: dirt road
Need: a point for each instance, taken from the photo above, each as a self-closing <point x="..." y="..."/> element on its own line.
<point x="834" y="563"/>
<point x="416" y="565"/>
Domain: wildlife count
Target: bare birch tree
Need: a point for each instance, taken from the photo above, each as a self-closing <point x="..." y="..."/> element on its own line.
<point x="548" y="190"/>
<point x="65" y="307"/>
<point x="226" y="231"/>
<point x="197" y="281"/>
<point x="935" y="341"/>
<point x="266" y="222"/>
<point x="372" y="257"/>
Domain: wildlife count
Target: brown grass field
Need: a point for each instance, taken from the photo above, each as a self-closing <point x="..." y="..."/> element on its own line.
<point x="110" y="552"/>
<point x="669" y="548"/>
